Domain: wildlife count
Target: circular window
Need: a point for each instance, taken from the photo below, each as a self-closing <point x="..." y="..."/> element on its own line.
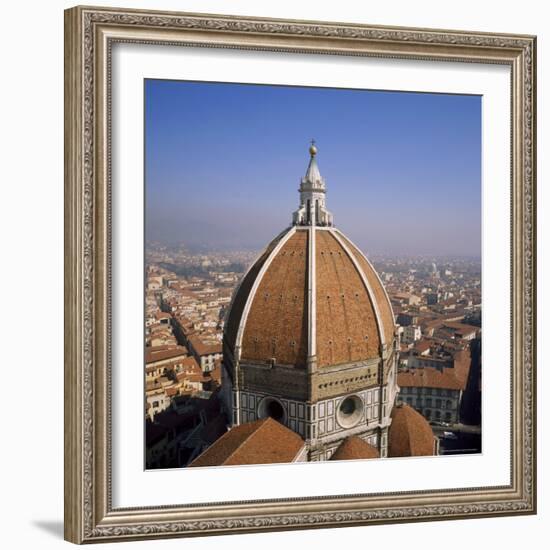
<point x="269" y="406"/>
<point x="350" y="411"/>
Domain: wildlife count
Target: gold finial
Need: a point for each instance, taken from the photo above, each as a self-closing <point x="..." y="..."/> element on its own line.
<point x="312" y="148"/>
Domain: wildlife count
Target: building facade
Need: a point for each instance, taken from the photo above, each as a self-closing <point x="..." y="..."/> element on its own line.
<point x="435" y="404"/>
<point x="434" y="384"/>
<point x="411" y="334"/>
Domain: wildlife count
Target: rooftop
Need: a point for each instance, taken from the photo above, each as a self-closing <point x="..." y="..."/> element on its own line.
<point x="354" y="448"/>
<point x="259" y="442"/>
<point x="451" y="378"/>
<point x="161" y="353"/>
<point x="410" y="433"/>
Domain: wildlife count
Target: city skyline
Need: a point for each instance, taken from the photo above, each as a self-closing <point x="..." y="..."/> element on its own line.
<point x="206" y="250"/>
<point x="223" y="164"/>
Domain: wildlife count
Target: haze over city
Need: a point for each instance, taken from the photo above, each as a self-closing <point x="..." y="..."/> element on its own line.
<point x="224" y="161"/>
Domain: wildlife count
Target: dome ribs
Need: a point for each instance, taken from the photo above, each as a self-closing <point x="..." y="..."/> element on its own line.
<point x="241" y="295"/>
<point x="350" y="307"/>
<point x="382" y="300"/>
<point x="346" y="325"/>
<point x="276" y="326"/>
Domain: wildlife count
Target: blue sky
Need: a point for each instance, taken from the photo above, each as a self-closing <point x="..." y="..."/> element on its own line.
<point x="224" y="161"/>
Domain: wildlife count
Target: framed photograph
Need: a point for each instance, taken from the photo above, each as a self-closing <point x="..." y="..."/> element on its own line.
<point x="300" y="274"/>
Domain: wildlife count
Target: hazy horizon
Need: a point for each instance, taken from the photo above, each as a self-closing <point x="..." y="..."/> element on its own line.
<point x="224" y="161"/>
<point x="205" y="248"/>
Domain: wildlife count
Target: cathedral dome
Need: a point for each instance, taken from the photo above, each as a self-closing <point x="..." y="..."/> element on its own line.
<point x="309" y="339"/>
<point x="312" y="297"/>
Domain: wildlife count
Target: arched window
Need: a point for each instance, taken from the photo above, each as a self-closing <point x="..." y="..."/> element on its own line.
<point x="269" y="406"/>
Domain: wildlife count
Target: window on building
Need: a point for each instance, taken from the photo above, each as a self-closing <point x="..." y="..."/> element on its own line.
<point x="447" y="417"/>
<point x="350" y="411"/>
<point x="438" y="403"/>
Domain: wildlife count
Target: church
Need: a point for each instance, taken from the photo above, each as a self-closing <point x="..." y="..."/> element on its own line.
<point x="310" y="352"/>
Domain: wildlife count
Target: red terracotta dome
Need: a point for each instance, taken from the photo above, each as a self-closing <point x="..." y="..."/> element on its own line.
<point x="354" y="448"/>
<point x="311" y="293"/>
<point x="410" y="434"/>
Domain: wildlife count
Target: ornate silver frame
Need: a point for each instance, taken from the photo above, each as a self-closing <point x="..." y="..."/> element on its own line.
<point x="89" y="35"/>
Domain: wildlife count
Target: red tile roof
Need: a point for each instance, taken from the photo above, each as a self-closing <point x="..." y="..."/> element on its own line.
<point x="152" y="355"/>
<point x="451" y="378"/>
<point x="203" y="348"/>
<point x="190" y="364"/>
<point x="354" y="448"/>
<point x="170" y="392"/>
<point x="260" y="442"/>
<point x="162" y="315"/>
<point x="409" y="433"/>
<point x="422" y="346"/>
<point x="216" y="373"/>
